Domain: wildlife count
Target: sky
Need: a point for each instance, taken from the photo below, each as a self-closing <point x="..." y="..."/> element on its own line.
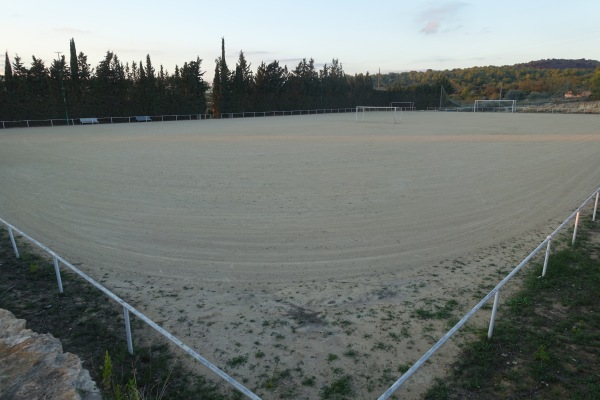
<point x="364" y="36"/>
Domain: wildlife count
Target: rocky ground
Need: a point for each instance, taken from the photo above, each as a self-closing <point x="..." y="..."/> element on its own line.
<point x="33" y="366"/>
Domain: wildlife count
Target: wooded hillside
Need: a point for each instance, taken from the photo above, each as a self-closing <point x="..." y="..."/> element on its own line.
<point x="532" y="81"/>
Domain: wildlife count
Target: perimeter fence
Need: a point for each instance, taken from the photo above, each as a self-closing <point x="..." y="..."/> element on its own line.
<point x="31" y="123"/>
<point x="592" y="108"/>
<point x="127" y="308"/>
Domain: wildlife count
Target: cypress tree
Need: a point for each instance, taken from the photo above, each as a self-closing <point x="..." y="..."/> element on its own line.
<point x="216" y="91"/>
<point x="73" y="61"/>
<point x="7" y="72"/>
<point x="221" y="84"/>
<point x="224" y="78"/>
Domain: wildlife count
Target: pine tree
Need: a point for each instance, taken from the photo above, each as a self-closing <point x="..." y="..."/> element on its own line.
<point x="149" y="87"/>
<point x="305" y="85"/>
<point x="192" y="88"/>
<point x="19" y="70"/>
<point x="242" y="85"/>
<point x="19" y="102"/>
<point x="85" y="73"/>
<point x="39" y="88"/>
<point x="59" y="73"/>
<point x="270" y="81"/>
<point x="6" y="100"/>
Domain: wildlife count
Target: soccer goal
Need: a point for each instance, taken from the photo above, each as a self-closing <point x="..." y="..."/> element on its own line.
<point x="495" y="105"/>
<point x="403" y="105"/>
<point x="377" y="114"/>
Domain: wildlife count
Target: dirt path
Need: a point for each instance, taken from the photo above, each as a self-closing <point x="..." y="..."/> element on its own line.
<point x="311" y="240"/>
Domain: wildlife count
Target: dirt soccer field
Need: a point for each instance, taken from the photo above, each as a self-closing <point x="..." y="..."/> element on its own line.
<point x="298" y="253"/>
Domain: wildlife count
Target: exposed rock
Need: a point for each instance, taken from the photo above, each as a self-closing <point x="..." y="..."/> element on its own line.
<point x="33" y="366"/>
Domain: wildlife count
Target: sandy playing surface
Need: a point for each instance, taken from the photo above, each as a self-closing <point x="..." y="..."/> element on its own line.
<point x="290" y="247"/>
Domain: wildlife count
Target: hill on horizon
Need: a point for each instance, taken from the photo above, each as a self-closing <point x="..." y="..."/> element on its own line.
<point x="537" y="80"/>
<point x="560" y="63"/>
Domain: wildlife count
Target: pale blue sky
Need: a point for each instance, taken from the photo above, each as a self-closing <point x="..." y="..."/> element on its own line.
<point x="393" y="36"/>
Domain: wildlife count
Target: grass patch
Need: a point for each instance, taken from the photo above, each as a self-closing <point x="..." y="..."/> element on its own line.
<point x="546" y="340"/>
<point x="437" y="312"/>
<point x="339" y="389"/>
<point x="237" y="361"/>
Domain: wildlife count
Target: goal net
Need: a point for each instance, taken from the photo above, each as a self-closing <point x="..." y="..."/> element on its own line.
<point x="403" y="105"/>
<point x="377" y="114"/>
<point x="495" y="105"/>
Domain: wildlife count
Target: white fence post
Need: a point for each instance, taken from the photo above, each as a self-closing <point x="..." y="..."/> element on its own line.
<point x="547" y="256"/>
<point x="493" y="318"/>
<point x="12" y="240"/>
<point x="57" y="270"/>
<point x="575" y="228"/>
<point x="595" y="206"/>
<point x="128" y="330"/>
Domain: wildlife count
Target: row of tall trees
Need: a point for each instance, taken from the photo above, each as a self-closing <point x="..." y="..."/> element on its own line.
<point x="273" y="87"/>
<point x="71" y="86"/>
<point x="305" y="87"/>
<point x="111" y="89"/>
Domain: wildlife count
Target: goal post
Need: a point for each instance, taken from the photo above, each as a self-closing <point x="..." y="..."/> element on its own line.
<point x="495" y="105"/>
<point x="377" y="114"/>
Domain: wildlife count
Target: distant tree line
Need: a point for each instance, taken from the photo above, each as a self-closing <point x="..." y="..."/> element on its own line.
<point x="274" y="88"/>
<point x="111" y="89"/>
<point x="72" y="86"/>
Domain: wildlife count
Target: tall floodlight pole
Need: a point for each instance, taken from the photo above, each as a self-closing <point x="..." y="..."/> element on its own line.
<point x="62" y="85"/>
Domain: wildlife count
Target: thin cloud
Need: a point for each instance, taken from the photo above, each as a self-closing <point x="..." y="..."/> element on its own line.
<point x="256" y="53"/>
<point x="435" y="17"/>
<point x="290" y="60"/>
<point x="72" y="31"/>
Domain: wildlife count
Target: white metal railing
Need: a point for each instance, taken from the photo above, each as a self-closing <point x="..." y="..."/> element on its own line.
<point x="496" y="293"/>
<point x="127" y="308"/>
<point x="253" y="114"/>
<point x="29" y="123"/>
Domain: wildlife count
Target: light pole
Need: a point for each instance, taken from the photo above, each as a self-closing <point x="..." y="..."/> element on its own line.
<point x="62" y="84"/>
